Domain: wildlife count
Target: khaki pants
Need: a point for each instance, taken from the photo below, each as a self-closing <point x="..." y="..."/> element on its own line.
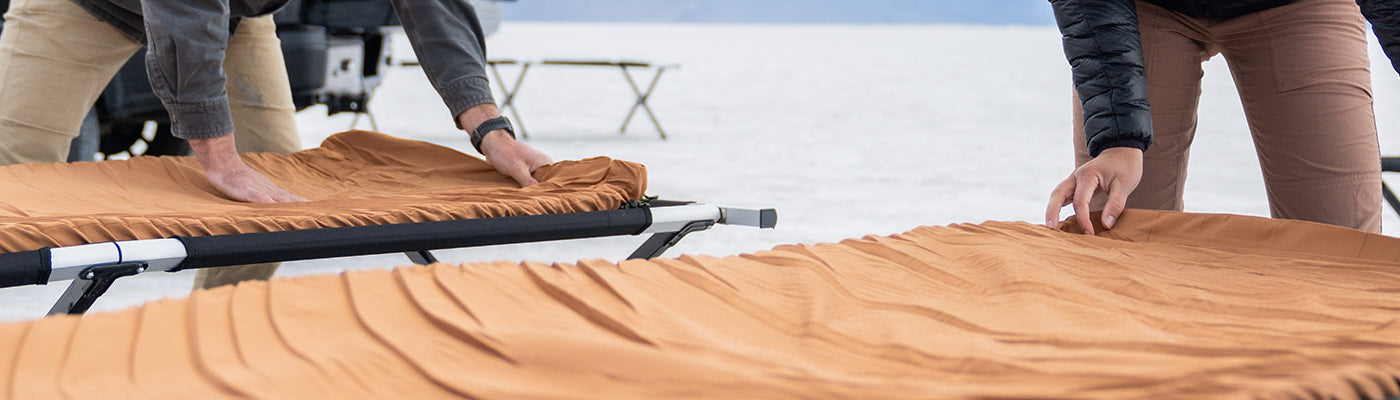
<point x="55" y="59"/>
<point x="1304" y="78"/>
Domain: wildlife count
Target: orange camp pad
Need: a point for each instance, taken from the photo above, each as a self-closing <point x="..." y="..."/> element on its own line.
<point x="1166" y="305"/>
<point x="354" y="179"/>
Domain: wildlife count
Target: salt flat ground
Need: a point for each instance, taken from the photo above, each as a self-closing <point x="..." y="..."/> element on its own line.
<point x="846" y="130"/>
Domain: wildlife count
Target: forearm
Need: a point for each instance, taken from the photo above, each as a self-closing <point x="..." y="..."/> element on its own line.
<point x="447" y="38"/>
<point x="1104" y="50"/>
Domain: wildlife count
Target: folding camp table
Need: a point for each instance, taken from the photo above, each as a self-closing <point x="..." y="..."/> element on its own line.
<point x="94" y="267"/>
<point x="509" y="92"/>
<point x="1390" y="164"/>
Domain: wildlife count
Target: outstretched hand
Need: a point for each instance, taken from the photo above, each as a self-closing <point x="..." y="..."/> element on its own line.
<point x="513" y="158"/>
<point x="227" y="172"/>
<point x="245" y="184"/>
<point x="1116" y="171"/>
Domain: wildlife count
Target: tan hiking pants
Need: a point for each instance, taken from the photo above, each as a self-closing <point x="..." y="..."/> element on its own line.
<point x="55" y="59"/>
<point x="1304" y="78"/>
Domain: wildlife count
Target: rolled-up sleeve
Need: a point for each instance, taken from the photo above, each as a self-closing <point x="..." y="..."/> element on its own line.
<point x="1104" y="49"/>
<point x="448" y="41"/>
<point x="186" y="40"/>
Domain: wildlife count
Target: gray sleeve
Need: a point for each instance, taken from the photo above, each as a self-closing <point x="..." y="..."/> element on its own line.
<point x="185" y="43"/>
<point x="447" y="38"/>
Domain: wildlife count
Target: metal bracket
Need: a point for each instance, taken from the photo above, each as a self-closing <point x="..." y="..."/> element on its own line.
<point x="660" y="242"/>
<point x="421" y="257"/>
<point x="90" y="284"/>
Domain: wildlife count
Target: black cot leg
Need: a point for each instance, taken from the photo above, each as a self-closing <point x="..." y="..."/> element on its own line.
<point x="422" y="257"/>
<point x="660" y="242"/>
<point x="509" y="92"/>
<point x="1390" y="197"/>
<point x="90" y="284"/>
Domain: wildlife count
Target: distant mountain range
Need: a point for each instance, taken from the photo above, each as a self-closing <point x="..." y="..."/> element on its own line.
<point x="1000" y="12"/>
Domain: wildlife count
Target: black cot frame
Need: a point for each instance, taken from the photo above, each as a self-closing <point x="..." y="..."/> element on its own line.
<point x="94" y="267"/>
<point x="1390" y="164"/>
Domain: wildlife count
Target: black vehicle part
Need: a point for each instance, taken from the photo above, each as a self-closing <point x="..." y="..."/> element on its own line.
<point x="122" y="136"/>
<point x="304" y="49"/>
<point x="339" y="16"/>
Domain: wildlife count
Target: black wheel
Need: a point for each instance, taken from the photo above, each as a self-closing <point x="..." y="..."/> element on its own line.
<point x="132" y="139"/>
<point x="118" y="137"/>
<point x="166" y="144"/>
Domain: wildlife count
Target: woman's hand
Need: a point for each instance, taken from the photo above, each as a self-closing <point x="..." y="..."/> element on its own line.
<point x="1116" y="171"/>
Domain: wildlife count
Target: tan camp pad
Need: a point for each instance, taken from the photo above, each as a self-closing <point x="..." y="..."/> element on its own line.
<point x="1166" y="305"/>
<point x="355" y="178"/>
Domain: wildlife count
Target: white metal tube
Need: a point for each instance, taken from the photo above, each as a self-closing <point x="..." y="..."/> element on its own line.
<point x="159" y="254"/>
<point x="67" y="261"/>
<point x="672" y="219"/>
<point x="758" y="218"/>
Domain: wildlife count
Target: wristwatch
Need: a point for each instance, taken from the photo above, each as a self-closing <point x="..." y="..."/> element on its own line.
<point x="486" y="127"/>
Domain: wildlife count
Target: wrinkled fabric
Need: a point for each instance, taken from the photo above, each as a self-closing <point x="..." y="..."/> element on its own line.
<point x="355" y="178"/>
<point x="1166" y="305"/>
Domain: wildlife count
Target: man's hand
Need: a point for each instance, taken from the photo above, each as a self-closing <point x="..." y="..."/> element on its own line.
<point x="231" y="176"/>
<point x="510" y="157"/>
<point x="513" y="158"/>
<point x="1116" y="171"/>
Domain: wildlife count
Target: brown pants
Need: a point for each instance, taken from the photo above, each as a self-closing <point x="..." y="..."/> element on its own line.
<point x="1304" y="78"/>
<point x="55" y="59"/>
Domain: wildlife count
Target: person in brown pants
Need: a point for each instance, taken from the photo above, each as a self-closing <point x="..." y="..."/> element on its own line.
<point x="1302" y="72"/>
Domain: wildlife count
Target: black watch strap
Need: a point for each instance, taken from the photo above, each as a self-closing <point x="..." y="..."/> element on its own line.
<point x="486" y="127"/>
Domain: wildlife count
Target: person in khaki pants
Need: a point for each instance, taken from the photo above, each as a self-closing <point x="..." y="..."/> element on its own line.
<point x="56" y="56"/>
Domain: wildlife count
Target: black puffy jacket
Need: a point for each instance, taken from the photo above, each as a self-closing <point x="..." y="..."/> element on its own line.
<point x="1105" y="55"/>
